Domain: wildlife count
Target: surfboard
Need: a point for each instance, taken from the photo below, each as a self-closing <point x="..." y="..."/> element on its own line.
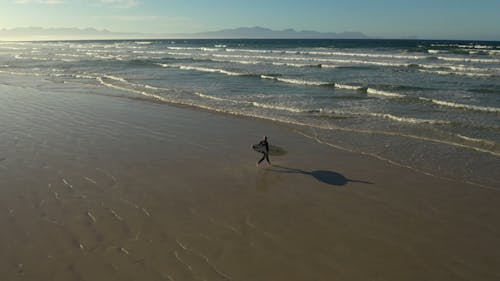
<point x="259" y="147"/>
<point x="273" y="149"/>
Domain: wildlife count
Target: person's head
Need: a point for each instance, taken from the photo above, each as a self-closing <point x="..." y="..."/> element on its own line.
<point x="265" y="138"/>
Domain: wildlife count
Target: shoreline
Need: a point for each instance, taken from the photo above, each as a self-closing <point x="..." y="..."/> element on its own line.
<point x="412" y="147"/>
<point x="95" y="187"/>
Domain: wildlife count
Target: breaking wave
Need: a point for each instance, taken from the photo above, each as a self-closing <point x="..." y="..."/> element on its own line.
<point x="408" y="119"/>
<point x="462" y="106"/>
<point x="376" y="92"/>
<point x="298" y="81"/>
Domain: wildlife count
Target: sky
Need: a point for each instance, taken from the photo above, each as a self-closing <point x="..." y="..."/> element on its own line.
<point x="429" y="19"/>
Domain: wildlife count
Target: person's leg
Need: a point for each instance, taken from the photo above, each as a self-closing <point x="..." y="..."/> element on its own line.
<point x="262" y="159"/>
<point x="267" y="158"/>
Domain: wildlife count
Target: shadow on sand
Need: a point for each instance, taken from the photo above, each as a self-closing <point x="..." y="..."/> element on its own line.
<point x="328" y="177"/>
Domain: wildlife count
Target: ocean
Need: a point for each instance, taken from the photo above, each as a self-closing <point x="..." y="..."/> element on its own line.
<point x="431" y="106"/>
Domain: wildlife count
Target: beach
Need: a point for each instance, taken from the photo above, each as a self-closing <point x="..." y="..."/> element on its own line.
<point x="99" y="185"/>
<point x="431" y="106"/>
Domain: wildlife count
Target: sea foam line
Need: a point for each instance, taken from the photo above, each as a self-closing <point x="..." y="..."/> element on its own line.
<point x="195" y="49"/>
<point x="280" y="58"/>
<point x="277" y="58"/>
<point x="254" y="62"/>
<point x="469" y="60"/>
<point x="143" y="93"/>
<point x="326" y="53"/>
<point x="277" y="107"/>
<point x="349" y="87"/>
<point x="444" y="72"/>
<point x="482" y="141"/>
<point x="214" y="98"/>
<point x="376" y="92"/>
<point x="408" y="119"/>
<point x="251" y="103"/>
<point x="203" y="69"/>
<point x="462" y="106"/>
<point x="414" y="57"/>
<point x="460" y="67"/>
<point x="212" y="70"/>
<point x="298" y="81"/>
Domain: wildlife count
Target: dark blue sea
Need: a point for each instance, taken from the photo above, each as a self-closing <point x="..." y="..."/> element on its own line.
<point x="431" y="106"/>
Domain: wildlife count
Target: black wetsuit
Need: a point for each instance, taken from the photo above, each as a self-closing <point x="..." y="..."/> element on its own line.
<point x="266" y="151"/>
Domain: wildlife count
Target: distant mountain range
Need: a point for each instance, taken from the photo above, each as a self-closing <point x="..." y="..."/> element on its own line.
<point x="266" y="33"/>
<point x="39" y="33"/>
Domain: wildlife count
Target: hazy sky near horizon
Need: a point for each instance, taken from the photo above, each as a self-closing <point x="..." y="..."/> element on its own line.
<point x="443" y="19"/>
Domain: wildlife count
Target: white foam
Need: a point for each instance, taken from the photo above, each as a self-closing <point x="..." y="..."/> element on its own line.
<point x="469" y="60"/>
<point x="214" y="98"/>
<point x="408" y="119"/>
<point x="249" y="51"/>
<point x="144" y="93"/>
<point x="20" y="57"/>
<point x="368" y="55"/>
<point x="239" y="61"/>
<point x="21" y="73"/>
<point x="326" y="53"/>
<point x="482" y="141"/>
<point x="13" y="48"/>
<point x="296" y="64"/>
<point x="477" y="46"/>
<point x="116" y="78"/>
<point x="194" y="49"/>
<point x="84" y="76"/>
<point x="444" y="72"/>
<point x="372" y="91"/>
<point x="348" y="87"/>
<point x="277" y="107"/>
<point x="211" y="70"/>
<point x="319" y="60"/>
<point x="462" y="106"/>
<point x="254" y="62"/>
<point x="459" y="67"/>
<point x="482" y="47"/>
<point x="202" y="69"/>
<point x="180" y="54"/>
<point x="297" y="81"/>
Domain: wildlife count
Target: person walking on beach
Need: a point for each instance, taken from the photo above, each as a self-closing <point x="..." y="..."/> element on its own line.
<point x="264" y="149"/>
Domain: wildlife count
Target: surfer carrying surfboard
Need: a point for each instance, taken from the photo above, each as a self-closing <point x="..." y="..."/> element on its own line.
<point x="263" y="147"/>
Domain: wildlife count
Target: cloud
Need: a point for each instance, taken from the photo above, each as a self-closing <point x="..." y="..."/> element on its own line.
<point x="124" y="4"/>
<point x="48" y="2"/>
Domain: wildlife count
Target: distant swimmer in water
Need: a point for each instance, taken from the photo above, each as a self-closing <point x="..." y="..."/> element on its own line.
<point x="262" y="147"/>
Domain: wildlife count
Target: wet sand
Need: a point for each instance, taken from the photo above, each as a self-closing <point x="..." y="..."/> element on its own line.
<point x="105" y="188"/>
